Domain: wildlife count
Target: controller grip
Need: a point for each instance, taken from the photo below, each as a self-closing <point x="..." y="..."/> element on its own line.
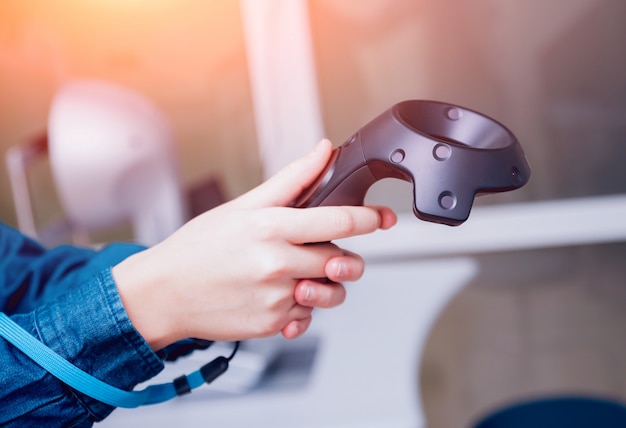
<point x="345" y="180"/>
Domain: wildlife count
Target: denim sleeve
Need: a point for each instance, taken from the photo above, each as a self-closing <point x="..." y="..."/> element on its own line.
<point x="89" y="327"/>
<point x="66" y="298"/>
<point x="31" y="274"/>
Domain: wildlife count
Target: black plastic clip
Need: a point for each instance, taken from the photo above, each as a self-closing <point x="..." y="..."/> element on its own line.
<point x="214" y="369"/>
<point x="181" y="385"/>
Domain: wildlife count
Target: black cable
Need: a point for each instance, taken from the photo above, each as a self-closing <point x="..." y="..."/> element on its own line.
<point x="235" y="349"/>
<point x="209" y="372"/>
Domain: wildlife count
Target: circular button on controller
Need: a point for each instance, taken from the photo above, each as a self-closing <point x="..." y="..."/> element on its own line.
<point x="447" y="200"/>
<point x="397" y="156"/>
<point x="454" y="113"/>
<point x="441" y="152"/>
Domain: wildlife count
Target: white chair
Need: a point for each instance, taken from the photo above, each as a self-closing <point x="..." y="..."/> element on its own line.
<point x="112" y="160"/>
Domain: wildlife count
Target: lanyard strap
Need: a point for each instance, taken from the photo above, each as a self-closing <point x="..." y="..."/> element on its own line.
<point x="95" y="388"/>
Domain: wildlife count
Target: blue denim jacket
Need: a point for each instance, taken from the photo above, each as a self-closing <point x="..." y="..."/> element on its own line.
<point x="67" y="298"/>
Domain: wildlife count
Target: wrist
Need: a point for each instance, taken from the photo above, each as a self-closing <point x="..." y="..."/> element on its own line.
<point x="142" y="294"/>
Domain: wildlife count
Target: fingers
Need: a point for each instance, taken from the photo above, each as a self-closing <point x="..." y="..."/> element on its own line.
<point x="300" y="317"/>
<point x="388" y="218"/>
<point x="316" y="294"/>
<point x="347" y="267"/>
<point x="296" y="328"/>
<point x="322" y="224"/>
<point x="312" y="294"/>
<point x="286" y="185"/>
<point x="309" y="293"/>
<point x="321" y="260"/>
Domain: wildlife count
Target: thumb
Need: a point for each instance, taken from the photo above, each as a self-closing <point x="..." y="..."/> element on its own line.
<point x="288" y="183"/>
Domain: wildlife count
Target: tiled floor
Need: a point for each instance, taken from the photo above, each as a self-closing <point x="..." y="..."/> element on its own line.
<point x="533" y="323"/>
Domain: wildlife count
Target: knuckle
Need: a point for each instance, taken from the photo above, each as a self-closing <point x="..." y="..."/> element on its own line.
<point x="273" y="326"/>
<point x="266" y="227"/>
<point x="269" y="326"/>
<point x="264" y="331"/>
<point x="273" y="266"/>
<point x="345" y="222"/>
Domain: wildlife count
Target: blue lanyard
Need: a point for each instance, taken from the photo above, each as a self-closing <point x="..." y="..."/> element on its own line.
<point x="81" y="381"/>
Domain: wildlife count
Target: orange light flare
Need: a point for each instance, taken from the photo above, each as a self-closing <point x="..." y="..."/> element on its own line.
<point x="163" y="40"/>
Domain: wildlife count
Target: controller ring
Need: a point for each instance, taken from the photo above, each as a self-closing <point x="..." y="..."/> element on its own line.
<point x="453" y="124"/>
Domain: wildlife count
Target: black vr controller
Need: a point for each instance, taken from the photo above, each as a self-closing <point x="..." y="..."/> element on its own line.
<point x="449" y="153"/>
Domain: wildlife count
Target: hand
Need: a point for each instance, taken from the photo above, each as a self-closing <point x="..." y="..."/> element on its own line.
<point x="244" y="269"/>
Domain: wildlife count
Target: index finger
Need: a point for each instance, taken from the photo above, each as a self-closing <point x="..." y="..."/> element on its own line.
<point x="291" y="181"/>
<point x="322" y="224"/>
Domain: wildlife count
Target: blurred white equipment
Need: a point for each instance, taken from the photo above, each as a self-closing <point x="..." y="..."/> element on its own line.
<point x="283" y="83"/>
<point x="113" y="161"/>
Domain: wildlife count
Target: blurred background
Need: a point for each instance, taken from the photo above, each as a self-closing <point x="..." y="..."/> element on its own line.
<point x="535" y="322"/>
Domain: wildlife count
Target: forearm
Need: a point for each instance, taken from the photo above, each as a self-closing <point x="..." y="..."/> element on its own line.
<point x="90" y="328"/>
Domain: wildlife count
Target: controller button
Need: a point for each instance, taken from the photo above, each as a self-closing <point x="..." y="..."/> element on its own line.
<point x="454" y="113"/>
<point x="447" y="200"/>
<point x="442" y="152"/>
<point x="397" y="156"/>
